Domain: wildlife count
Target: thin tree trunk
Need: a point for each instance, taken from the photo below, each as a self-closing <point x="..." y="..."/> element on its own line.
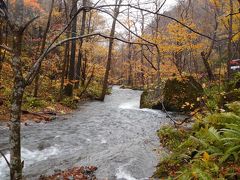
<point x="129" y="56"/>
<point x="84" y="70"/>
<point x="71" y="72"/>
<point x="36" y="88"/>
<point x="230" y="35"/>
<point x="206" y="56"/>
<point x="64" y="68"/>
<point x="158" y="70"/>
<point x="80" y="53"/>
<point x="109" y="60"/>
<point x="66" y="56"/>
<point x="83" y="73"/>
<point x="1" y="41"/>
<point x="142" y="51"/>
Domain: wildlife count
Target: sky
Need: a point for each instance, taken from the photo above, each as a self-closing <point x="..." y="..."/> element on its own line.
<point x="135" y="14"/>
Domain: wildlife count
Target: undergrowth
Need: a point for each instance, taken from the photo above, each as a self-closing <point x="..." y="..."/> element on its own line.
<point x="210" y="149"/>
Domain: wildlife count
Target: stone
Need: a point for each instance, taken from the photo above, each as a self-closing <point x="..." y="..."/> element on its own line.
<point x="177" y="93"/>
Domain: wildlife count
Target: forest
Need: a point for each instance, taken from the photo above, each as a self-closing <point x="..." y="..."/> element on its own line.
<point x="119" y="89"/>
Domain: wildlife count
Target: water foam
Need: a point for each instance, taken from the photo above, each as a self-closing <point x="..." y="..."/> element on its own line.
<point x="122" y="174"/>
<point x="130" y="105"/>
<point x="135" y="106"/>
<point x="29" y="157"/>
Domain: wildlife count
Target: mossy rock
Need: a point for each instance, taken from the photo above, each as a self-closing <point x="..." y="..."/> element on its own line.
<point x="182" y="93"/>
<point x="177" y="94"/>
<point x="149" y="100"/>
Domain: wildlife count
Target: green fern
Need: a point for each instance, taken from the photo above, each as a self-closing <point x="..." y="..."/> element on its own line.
<point x="231" y="140"/>
<point x="234" y="107"/>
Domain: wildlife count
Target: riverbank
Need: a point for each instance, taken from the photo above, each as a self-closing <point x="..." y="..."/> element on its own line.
<point x="47" y="107"/>
<point x="116" y="136"/>
<point x="77" y="173"/>
<point x="208" y="148"/>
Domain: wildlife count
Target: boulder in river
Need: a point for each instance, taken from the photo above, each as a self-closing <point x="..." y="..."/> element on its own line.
<point x="178" y="95"/>
<point x="149" y="99"/>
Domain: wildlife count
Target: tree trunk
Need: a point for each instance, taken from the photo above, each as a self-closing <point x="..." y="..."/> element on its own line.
<point x="84" y="70"/>
<point x="110" y="49"/>
<point x="230" y="35"/>
<point x="66" y="56"/>
<point x="80" y="53"/>
<point x="16" y="165"/>
<point x="64" y="68"/>
<point x="142" y="51"/>
<point x="1" y="41"/>
<point x="207" y="66"/>
<point x="36" y="88"/>
<point x="158" y="71"/>
<point x="71" y="72"/>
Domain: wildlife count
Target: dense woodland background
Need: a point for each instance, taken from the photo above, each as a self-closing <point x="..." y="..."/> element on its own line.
<point x="57" y="52"/>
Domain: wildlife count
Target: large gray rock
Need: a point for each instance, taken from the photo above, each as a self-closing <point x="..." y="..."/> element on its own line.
<point x="176" y="95"/>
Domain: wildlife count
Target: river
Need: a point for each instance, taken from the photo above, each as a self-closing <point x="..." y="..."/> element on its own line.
<point x="115" y="135"/>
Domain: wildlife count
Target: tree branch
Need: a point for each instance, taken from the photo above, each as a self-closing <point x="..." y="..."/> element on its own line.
<point x="159" y="14"/>
<point x="5" y="158"/>
<point x="6" y="48"/>
<point x="31" y="75"/>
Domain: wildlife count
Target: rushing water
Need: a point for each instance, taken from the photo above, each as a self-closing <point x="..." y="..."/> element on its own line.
<point x="115" y="135"/>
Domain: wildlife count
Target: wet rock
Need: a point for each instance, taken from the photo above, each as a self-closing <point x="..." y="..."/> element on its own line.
<point x="178" y="93"/>
<point x="175" y="95"/>
<point x="150" y="100"/>
<point x="43" y="146"/>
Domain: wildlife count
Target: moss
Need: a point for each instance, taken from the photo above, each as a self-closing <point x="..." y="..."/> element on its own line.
<point x="171" y="137"/>
<point x="176" y="94"/>
<point x="149" y="100"/>
<point x="94" y="90"/>
<point x="70" y="102"/>
<point x="33" y="102"/>
<point x="182" y="93"/>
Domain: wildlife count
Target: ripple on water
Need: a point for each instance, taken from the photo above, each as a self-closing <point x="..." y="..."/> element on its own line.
<point x="29" y="157"/>
<point x="123" y="174"/>
<point x="104" y="134"/>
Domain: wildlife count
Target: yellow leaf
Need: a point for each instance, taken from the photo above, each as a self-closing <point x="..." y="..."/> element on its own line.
<point x="206" y="157"/>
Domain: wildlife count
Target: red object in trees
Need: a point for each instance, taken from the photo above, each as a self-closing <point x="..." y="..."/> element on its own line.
<point x="235" y="61"/>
